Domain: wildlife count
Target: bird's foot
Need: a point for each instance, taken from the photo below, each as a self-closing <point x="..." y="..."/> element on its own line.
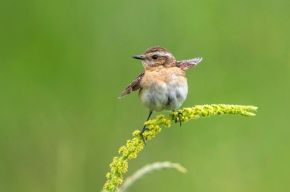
<point x="178" y="118"/>
<point x="141" y="134"/>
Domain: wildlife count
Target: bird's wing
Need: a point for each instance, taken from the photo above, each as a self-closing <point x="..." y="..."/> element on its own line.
<point x="187" y="64"/>
<point x="133" y="86"/>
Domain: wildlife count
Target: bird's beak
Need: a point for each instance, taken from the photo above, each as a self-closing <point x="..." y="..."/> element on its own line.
<point x="140" y="57"/>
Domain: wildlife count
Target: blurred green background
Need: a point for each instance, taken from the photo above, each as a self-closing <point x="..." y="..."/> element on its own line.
<point x="63" y="64"/>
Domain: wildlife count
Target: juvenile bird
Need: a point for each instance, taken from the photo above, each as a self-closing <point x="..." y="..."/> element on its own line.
<point x="162" y="85"/>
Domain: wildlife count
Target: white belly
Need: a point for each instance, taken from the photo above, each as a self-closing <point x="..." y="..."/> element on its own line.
<point x="159" y="96"/>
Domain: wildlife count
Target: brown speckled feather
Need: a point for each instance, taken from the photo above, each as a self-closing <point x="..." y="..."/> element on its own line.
<point x="154" y="49"/>
<point x="133" y="86"/>
<point x="187" y="64"/>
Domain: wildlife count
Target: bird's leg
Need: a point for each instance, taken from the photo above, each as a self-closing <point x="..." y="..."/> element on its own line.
<point x="145" y="128"/>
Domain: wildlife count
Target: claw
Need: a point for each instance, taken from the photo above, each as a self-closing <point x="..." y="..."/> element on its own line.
<point x="143" y="139"/>
<point x="179" y="118"/>
<point x="141" y="134"/>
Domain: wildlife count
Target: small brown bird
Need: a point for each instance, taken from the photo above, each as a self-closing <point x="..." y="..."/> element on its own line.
<point x="162" y="85"/>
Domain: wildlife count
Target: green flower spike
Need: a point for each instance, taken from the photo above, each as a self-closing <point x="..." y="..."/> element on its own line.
<point x="134" y="146"/>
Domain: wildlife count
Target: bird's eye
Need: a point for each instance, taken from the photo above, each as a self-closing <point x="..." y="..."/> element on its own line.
<point x="155" y="57"/>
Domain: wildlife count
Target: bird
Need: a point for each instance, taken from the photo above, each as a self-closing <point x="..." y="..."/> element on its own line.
<point x="162" y="85"/>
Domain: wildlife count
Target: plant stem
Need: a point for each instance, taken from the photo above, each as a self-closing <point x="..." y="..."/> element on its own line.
<point x="135" y="145"/>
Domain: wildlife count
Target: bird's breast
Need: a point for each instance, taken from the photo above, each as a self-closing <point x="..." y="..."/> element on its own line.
<point x="163" y="92"/>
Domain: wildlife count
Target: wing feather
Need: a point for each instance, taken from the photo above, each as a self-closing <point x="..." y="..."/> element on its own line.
<point x="133" y="86"/>
<point x="187" y="64"/>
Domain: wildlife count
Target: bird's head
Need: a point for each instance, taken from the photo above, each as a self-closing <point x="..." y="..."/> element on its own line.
<point x="155" y="57"/>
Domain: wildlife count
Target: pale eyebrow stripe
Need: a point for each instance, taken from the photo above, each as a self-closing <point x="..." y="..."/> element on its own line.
<point x="161" y="53"/>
